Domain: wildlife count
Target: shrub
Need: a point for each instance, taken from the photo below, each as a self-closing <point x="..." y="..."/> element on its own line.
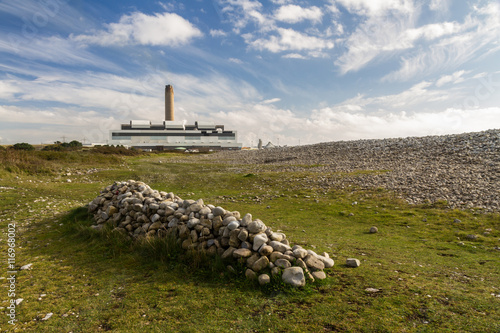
<point x="63" y="146"/>
<point x="23" y="146"/>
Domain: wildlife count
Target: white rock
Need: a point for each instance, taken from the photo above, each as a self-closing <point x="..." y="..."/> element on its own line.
<point x="247" y="219"/>
<point x="242" y="253"/>
<point x="294" y="276"/>
<point x="256" y="226"/>
<point x="47" y="316"/>
<point x="280" y="247"/>
<point x="205" y="211"/>
<point x="277" y="236"/>
<point x="282" y="263"/>
<point x="311" y="252"/>
<point x="299" y="253"/>
<point x="352" y="262"/>
<point x="264" y="279"/>
<point x="28" y="266"/>
<point x="228" y="220"/>
<point x="319" y="275"/>
<point x="219" y="211"/>
<point x="233" y="225"/>
<point x="192" y="222"/>
<point x="327" y="261"/>
<point x="259" y="240"/>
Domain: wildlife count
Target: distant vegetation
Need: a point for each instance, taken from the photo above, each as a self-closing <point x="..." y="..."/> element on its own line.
<point x="23" y="158"/>
<point x="23" y="146"/>
<point x="60" y="146"/>
<point x="117" y="150"/>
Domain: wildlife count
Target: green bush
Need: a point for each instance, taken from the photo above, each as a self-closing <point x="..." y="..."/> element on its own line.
<point x="23" y="146"/>
<point x="63" y="146"/>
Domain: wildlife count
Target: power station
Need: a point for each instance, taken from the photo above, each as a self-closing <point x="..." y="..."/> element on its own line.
<point x="171" y="134"/>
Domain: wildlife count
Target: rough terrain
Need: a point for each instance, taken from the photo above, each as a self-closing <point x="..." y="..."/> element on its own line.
<point x="462" y="170"/>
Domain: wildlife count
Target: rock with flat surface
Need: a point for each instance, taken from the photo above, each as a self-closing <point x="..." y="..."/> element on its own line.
<point x="294" y="276"/>
<point x="256" y="226"/>
<point x="352" y="262"/>
<point x="242" y="253"/>
<point x="260" y="264"/>
<point x="313" y="263"/>
<point x="259" y="240"/>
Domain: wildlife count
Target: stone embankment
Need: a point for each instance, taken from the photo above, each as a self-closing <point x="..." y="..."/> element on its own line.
<point x="462" y="170"/>
<point x="136" y="210"/>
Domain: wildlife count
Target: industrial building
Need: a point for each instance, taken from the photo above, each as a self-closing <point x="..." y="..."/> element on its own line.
<point x="171" y="134"/>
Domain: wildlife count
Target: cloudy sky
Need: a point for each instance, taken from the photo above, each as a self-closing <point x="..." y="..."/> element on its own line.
<point x="287" y="71"/>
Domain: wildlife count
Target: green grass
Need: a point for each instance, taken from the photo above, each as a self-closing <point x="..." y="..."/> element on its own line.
<point x="431" y="276"/>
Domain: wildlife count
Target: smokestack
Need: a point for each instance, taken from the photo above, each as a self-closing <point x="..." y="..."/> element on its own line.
<point x="169" y="103"/>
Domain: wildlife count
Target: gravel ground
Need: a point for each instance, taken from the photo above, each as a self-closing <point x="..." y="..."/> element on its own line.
<point x="462" y="169"/>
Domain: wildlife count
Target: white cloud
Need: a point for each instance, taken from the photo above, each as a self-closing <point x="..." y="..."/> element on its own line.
<point x="336" y="28"/>
<point x="266" y="34"/>
<point x="332" y="8"/>
<point x="8" y="89"/>
<point x="242" y="12"/>
<point x="351" y="126"/>
<point x="377" y="36"/>
<point x="36" y="16"/>
<point x="376" y="7"/>
<point x="479" y="35"/>
<point x="236" y="61"/>
<point x="294" y="56"/>
<point x="168" y="7"/>
<point x="217" y="33"/>
<point x="52" y="49"/>
<point x="281" y="2"/>
<point x="272" y="100"/>
<point x="167" y="29"/>
<point x="454" y="78"/>
<point x="432" y="31"/>
<point x="295" y="14"/>
<point x="290" y="40"/>
<point x="386" y="34"/>
<point x="439" y="5"/>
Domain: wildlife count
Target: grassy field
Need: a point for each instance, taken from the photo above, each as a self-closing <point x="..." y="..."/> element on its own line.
<point x="430" y="274"/>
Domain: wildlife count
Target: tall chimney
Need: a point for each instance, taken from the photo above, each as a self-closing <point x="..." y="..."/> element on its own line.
<point x="169" y="103"/>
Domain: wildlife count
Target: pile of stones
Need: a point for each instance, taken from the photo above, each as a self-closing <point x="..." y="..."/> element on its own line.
<point x="139" y="212"/>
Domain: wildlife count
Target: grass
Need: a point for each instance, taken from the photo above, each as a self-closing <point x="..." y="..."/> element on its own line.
<point x="430" y="275"/>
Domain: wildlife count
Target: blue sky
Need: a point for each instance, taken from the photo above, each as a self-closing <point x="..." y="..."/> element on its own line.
<point x="281" y="70"/>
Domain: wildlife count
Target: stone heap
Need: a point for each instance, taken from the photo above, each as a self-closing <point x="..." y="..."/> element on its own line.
<point x="136" y="210"/>
<point x="462" y="169"/>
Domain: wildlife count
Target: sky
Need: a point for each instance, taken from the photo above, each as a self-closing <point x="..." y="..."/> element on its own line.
<point x="287" y="71"/>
